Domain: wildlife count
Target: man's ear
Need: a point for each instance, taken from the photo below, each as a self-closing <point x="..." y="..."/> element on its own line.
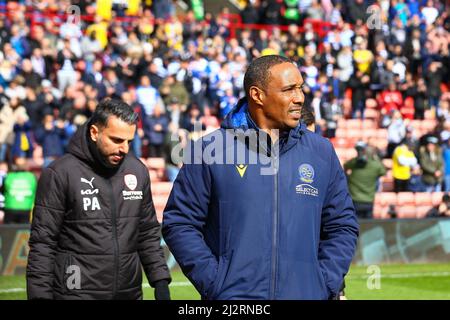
<point x="257" y="95"/>
<point x="94" y="132"/>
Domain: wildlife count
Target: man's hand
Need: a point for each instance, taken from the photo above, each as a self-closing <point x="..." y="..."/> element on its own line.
<point x="162" y="290"/>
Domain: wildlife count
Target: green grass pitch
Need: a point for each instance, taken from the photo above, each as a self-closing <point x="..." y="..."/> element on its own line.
<point x="396" y="282"/>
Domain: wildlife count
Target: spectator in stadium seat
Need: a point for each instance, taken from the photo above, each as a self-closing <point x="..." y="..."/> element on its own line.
<point x="404" y="164"/>
<point x="332" y="113"/>
<point x="308" y="118"/>
<point x="362" y="56"/>
<point x="363" y="172"/>
<point x="432" y="164"/>
<point x="359" y="83"/>
<point x="433" y="77"/>
<point x="66" y="60"/>
<point x="147" y="95"/>
<point x="19" y="189"/>
<point x="50" y="135"/>
<point x="32" y="79"/>
<point x="396" y="132"/>
<point x="209" y="221"/>
<point x="6" y="127"/>
<point x="155" y="128"/>
<point x="23" y="144"/>
<point x="442" y="210"/>
<point x="418" y="91"/>
<point x="392" y="212"/>
<point x="390" y="99"/>
<point x="446" y="157"/>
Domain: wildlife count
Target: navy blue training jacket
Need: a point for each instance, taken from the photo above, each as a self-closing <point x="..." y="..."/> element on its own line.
<point x="239" y="234"/>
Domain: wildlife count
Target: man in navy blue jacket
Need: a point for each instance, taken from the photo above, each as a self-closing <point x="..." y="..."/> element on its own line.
<point x="261" y="208"/>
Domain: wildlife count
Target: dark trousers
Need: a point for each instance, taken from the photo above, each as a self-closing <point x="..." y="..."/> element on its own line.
<point x="401" y="185"/>
<point x="364" y="210"/>
<point x="16" y="216"/>
<point x="156" y="151"/>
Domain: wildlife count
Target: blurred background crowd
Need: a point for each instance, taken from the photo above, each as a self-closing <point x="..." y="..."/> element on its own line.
<point x="376" y="74"/>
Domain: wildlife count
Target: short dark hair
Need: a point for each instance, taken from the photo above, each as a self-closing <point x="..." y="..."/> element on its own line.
<point x="258" y="71"/>
<point x="113" y="107"/>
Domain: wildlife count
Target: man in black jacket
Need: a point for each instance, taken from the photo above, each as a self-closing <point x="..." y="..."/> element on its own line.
<point x="94" y="223"/>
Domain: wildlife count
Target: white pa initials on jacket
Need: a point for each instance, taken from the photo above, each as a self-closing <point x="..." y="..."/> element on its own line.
<point x="90" y="203"/>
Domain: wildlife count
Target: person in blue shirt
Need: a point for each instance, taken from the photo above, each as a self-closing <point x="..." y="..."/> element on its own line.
<point x="446" y="156"/>
<point x="243" y="227"/>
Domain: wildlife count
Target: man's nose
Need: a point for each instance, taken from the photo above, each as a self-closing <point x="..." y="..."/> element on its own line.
<point x="124" y="147"/>
<point x="299" y="97"/>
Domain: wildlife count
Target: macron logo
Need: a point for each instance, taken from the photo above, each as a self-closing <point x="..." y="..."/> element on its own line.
<point x="88" y="182"/>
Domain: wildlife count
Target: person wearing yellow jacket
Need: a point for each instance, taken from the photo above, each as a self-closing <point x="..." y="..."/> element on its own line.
<point x="404" y="162"/>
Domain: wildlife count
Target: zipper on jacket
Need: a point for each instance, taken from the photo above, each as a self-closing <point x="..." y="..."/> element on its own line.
<point x="115" y="239"/>
<point x="273" y="282"/>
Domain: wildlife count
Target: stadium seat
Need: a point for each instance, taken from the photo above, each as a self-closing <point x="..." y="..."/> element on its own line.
<point x="353" y="124"/>
<point x="382" y="133"/>
<point x="430" y="115"/>
<point x="368" y="133"/>
<point x="428" y="125"/>
<point x="406" y="212"/>
<point x="372" y="114"/>
<point x="386" y="198"/>
<point x="368" y="124"/>
<point x="405" y="199"/>
<point x="154" y="176"/>
<point x="354" y="134"/>
<point x="380" y="212"/>
<point x="340" y="142"/>
<point x="421" y="211"/>
<point x="341" y="132"/>
<point x="162" y="188"/>
<point x="423" y="199"/>
<point x="387" y="184"/>
<point x="371" y="104"/>
<point x="436" y="198"/>
<point x="416" y="124"/>
<point x="156" y="163"/>
<point x="377" y="200"/>
<point x="381" y="143"/>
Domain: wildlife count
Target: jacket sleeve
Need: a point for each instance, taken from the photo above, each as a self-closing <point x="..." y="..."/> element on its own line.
<point x="339" y="229"/>
<point x="184" y="220"/>
<point x="150" y="251"/>
<point x="48" y="217"/>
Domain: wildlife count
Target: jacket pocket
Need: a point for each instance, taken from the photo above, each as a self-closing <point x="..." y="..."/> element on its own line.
<point x="322" y="281"/>
<point x="222" y="272"/>
<point x="62" y="262"/>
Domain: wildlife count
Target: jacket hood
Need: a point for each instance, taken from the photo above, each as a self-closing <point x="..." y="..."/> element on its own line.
<point x="78" y="145"/>
<point x="85" y="150"/>
<point x="237" y="117"/>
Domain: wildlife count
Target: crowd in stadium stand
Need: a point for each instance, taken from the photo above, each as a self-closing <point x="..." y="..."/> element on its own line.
<point x="375" y="71"/>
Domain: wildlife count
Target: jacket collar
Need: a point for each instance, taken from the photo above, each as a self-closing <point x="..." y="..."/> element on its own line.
<point x="239" y="118"/>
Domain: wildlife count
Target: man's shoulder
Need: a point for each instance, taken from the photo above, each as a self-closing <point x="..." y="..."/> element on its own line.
<point x="317" y="142"/>
<point x="64" y="163"/>
<point x="135" y="164"/>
